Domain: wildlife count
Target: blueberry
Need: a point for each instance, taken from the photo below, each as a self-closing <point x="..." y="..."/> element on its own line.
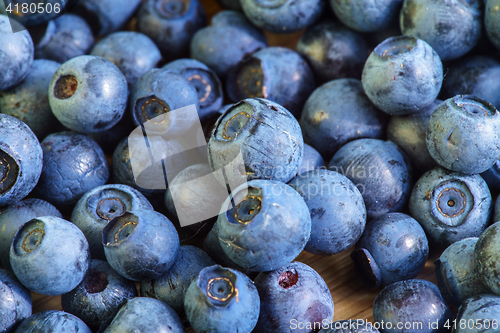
<point x="53" y="321"/>
<point x="338" y="112"/>
<point x="487" y="257"/>
<point x="333" y="51"/>
<point x="99" y="206"/>
<point x="478" y="314"/>
<point x="99" y="296"/>
<point x="417" y="305"/>
<point x="50" y="255"/>
<point x="222" y="300"/>
<point x="171" y="24"/>
<point x="402" y="75"/>
<point x="451" y="27"/>
<point x="312" y="160"/>
<point x="491" y="19"/>
<point x="140" y="244"/>
<point x="282" y="16"/>
<point x="20" y="160"/>
<point x="457" y="275"/>
<point x="379" y="170"/>
<point x="463" y="134"/>
<point x="132" y="52"/>
<point x="338" y="213"/>
<point x="172" y="286"/>
<point x="293" y="294"/>
<point x="214" y="249"/>
<point x="29" y="102"/>
<point x="17" y="52"/>
<point x="349" y="326"/>
<point x="15" y="302"/>
<point x="73" y="164"/>
<point x="14" y="216"/>
<point x="88" y="94"/>
<point x="247" y="237"/>
<point x="274" y="73"/>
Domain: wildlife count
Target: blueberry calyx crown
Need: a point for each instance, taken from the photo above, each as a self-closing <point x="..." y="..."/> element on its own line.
<point x="474" y="106"/>
<point x="248" y="208"/>
<point x="120" y="228"/>
<point x="395" y="46"/>
<point x="9" y="170"/>
<point x="95" y="281"/>
<point x="110" y="208"/>
<point x="288" y="279"/>
<point x="218" y="284"/>
<point x="149" y="108"/>
<point x="451" y="202"/>
<point x="172" y="8"/>
<point x="250" y="80"/>
<point x="202" y="86"/>
<point x="65" y="87"/>
<point x="232" y="123"/>
<point x="29" y="237"/>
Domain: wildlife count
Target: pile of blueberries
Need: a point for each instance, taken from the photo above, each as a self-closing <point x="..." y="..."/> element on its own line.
<point x="400" y="97"/>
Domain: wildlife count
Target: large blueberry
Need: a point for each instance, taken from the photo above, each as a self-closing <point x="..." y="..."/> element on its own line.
<point x="479" y="314"/>
<point x="491" y="19"/>
<point x="53" y="321"/>
<point x="487" y="257"/>
<point x="15" y="302"/>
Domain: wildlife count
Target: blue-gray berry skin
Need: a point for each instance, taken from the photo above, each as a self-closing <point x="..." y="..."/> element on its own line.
<point x="172" y="286"/>
<point x="246" y="235"/>
<point x="491" y="22"/>
<point x="14" y="216"/>
<point x="349" y="326"/>
<point x="450" y="206"/>
<point x="29" y="102"/>
<point x="132" y="52"/>
<point x="226" y="42"/>
<point x="16" y="53"/>
<point x="311" y="160"/>
<point x="380" y="171"/>
<point x="222" y="300"/>
<point x="367" y="16"/>
<point x="88" y="94"/>
<point x="144" y="314"/>
<point x="290" y="295"/>
<point x="451" y="27"/>
<point x="73" y="164"/>
<point x="214" y="249"/>
<point x="204" y="80"/>
<point x="231" y="4"/>
<point x="338" y="112"/>
<point x="411" y="301"/>
<point x="402" y="75"/>
<point x="50" y="255"/>
<point x="333" y="51"/>
<point x="66" y="37"/>
<point x="171" y="24"/>
<point x="457" y="274"/>
<point x="392" y="248"/>
<point x="282" y="16"/>
<point x="266" y="134"/>
<point x="15" y="302"/>
<point x="274" y="73"/>
<point x="478" y="314"/>
<point x="99" y="296"/>
<point x="487" y="257"/>
<point x="53" y="321"/>
<point x="99" y="206"/>
<point x="141" y="244"/>
<point x="338" y="212"/>
<point x="463" y="134"/>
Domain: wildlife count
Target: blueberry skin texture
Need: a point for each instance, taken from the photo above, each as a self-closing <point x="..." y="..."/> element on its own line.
<point x="379" y="170"/>
<point x="224" y="44"/>
<point x="144" y="314"/>
<point x="29" y="102"/>
<point x="491" y="19"/>
<point x="64" y="38"/>
<point x="15" y="302"/>
<point x="88" y="94"/>
<point x="411" y="301"/>
<point x="53" y="321"/>
<point x="99" y="296"/>
<point x="247" y="237"/>
<point x="451" y="27"/>
<point x="338" y="112"/>
<point x="50" y="241"/>
<point x="312" y="160"/>
<point x="463" y="134"/>
<point x="450" y="206"/>
<point x="17" y="53"/>
<point x="14" y="216"/>
<point x="234" y="307"/>
<point x="483" y="310"/>
<point x="293" y="293"/>
<point x="393" y="248"/>
<point x="338" y="212"/>
<point x="73" y="164"/>
<point x="344" y="326"/>
<point x="99" y="206"/>
<point x="172" y="286"/>
<point x="20" y="160"/>
<point x="367" y="16"/>
<point x="487" y="255"/>
<point x="457" y="275"/>
<point x="402" y="75"/>
<point x="274" y="73"/>
<point x="171" y="24"/>
<point x="132" y="52"/>
<point x="266" y="134"/>
<point x="282" y="16"/>
<point x="333" y="51"/>
<point x="141" y="244"/>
